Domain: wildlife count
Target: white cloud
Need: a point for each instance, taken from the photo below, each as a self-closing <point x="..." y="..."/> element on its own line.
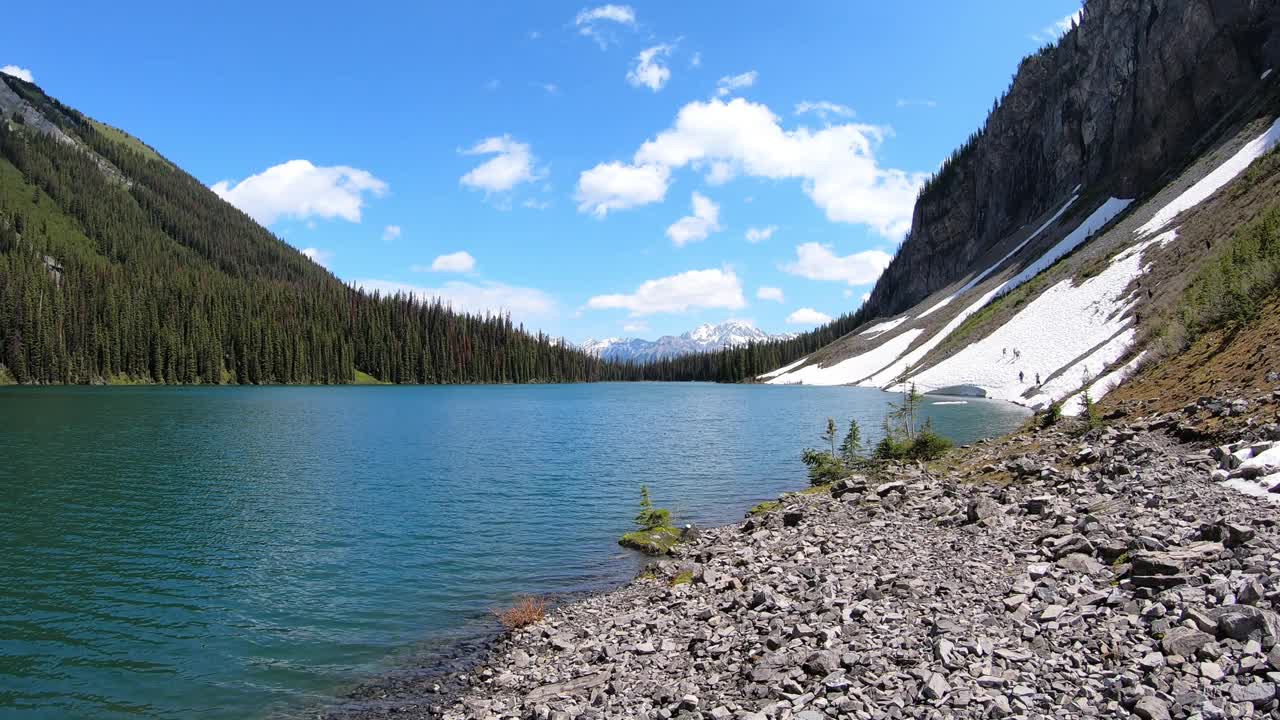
<point x="459" y="262"/>
<point x="636" y="327"/>
<point x="512" y="164"/>
<point x="696" y="60"/>
<point x="823" y="108"/>
<point x="591" y="22"/>
<point x="692" y="228"/>
<point x="866" y="297"/>
<point x="903" y="102"/>
<point x="391" y="232"/>
<point x="1057" y="28"/>
<point x="300" y="190"/>
<point x="318" y="256"/>
<point x="729" y="83"/>
<point x="615" y="186"/>
<point x="533" y="204"/>
<point x="836" y="165"/>
<point x="19" y="72"/>
<point x="808" y="316"/>
<point x="649" y="71"/>
<point x="770" y="293"/>
<point x="678" y="293"/>
<point x="534" y="34"/>
<point x="493" y="84"/>
<point x="548" y="88"/>
<point x="479" y="298"/>
<point x="755" y="235"/>
<point x="817" y="262"/>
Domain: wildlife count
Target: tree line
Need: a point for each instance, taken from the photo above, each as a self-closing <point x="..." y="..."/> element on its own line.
<point x="116" y="265"/>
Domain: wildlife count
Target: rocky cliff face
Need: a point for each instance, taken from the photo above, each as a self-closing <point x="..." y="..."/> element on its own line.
<point x="1118" y="103"/>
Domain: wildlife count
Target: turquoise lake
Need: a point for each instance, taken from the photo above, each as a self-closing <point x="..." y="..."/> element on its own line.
<point x="231" y="552"/>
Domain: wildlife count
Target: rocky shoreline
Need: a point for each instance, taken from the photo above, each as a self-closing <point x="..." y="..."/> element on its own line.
<point x="1052" y="573"/>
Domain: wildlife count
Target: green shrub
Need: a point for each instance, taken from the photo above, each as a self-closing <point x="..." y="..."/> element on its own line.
<point x="1051" y="415"/>
<point x="926" y="445"/>
<point x="649" y="517"/>
<point x="823" y="467"/>
<point x="1229" y="290"/>
<point x="1092" y="415"/>
<point x="890" y="448"/>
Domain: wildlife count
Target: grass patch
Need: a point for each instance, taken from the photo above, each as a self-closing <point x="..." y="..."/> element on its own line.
<point x="121" y="137"/>
<point x="655" y="541"/>
<point x="684" y="577"/>
<point x="6" y="378"/>
<point x="364" y="378"/>
<point x="765" y="507"/>
<point x="817" y="489"/>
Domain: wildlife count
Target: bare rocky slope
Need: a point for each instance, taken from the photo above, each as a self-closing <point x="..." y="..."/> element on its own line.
<point x="1118" y="105"/>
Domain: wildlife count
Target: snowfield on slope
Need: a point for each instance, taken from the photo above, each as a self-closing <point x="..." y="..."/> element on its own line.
<point x="1068" y="335"/>
<point x="1211" y="183"/>
<point x="983" y="275"/>
<point x="887" y="371"/>
<point x="854" y="369"/>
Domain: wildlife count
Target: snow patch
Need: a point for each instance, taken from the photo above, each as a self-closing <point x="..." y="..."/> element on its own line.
<point x="1256" y="488"/>
<point x="1210" y="183"/>
<point x="851" y="370"/>
<point x="785" y="368"/>
<point x="951" y="402"/>
<point x="881" y="328"/>
<point x="1266" y="74"/>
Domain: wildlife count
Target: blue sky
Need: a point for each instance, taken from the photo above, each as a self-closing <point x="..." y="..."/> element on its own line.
<point x="600" y="170"/>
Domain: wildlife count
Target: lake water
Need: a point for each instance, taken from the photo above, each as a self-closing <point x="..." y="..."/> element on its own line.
<point x="233" y="552"/>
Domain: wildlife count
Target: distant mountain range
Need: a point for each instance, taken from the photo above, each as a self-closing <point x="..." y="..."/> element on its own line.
<point x="704" y="338"/>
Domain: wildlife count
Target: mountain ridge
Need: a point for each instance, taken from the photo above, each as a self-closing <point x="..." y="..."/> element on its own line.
<point x="707" y="337"/>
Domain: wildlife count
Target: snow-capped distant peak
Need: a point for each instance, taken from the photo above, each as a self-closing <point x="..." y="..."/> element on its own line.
<point x="704" y="338"/>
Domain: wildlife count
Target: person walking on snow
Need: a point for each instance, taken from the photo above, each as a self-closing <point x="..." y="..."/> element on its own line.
<point x="1019" y="376"/>
<point x="1037" y="379"/>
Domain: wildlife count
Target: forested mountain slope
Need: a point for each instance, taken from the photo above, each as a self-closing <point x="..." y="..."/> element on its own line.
<point x="117" y="266"/>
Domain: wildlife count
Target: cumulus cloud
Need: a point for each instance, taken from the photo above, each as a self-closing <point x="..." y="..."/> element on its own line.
<point x="678" y="293"/>
<point x="593" y="22"/>
<point x="459" y="262"/>
<point x="808" y="316"/>
<point x="300" y="190"/>
<point x="1057" y="28"/>
<point x="692" y="228"/>
<point x="512" y="164"/>
<point x="770" y="293"/>
<point x="391" y="232"/>
<point x="817" y="262"/>
<point x="617" y="186"/>
<point x="478" y="298"/>
<point x="823" y="109"/>
<point x="730" y="83"/>
<point x="836" y="165"/>
<point x="649" y="71"/>
<point x="19" y="72"/>
<point x="318" y="256"/>
<point x="756" y="235"/>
